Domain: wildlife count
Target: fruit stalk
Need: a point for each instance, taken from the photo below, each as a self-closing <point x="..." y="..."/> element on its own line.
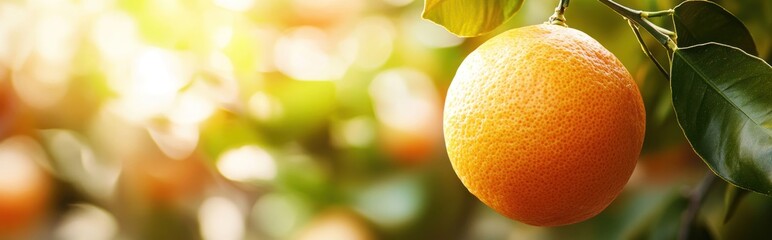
<point x="558" y="18"/>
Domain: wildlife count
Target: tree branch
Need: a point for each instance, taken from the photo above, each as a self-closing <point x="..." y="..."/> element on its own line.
<point x="646" y="49"/>
<point x="637" y="16"/>
<point x="695" y="202"/>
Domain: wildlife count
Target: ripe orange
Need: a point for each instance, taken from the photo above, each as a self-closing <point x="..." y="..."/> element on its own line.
<point x="544" y="125"/>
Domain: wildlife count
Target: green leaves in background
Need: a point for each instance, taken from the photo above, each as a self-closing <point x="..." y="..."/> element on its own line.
<point x="732" y="198"/>
<point x="470" y="18"/>
<point x="702" y="22"/>
<point x="663" y="221"/>
<point x="723" y="103"/>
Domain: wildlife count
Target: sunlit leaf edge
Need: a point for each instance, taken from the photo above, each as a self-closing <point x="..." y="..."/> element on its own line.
<point x="429" y="5"/>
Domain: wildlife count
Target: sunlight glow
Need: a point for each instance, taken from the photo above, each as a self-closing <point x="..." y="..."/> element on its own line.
<point x="11" y="17"/>
<point x="405" y="99"/>
<point x="176" y="141"/>
<point x="87" y="222"/>
<point x="264" y="107"/>
<point x="355" y="132"/>
<point x="18" y="170"/>
<point x="55" y="38"/>
<point x="157" y="72"/>
<point x="156" y="77"/>
<point x="220" y="64"/>
<point x="267" y="37"/>
<point x="220" y="219"/>
<point x="335" y="226"/>
<point x="41" y="86"/>
<point x="371" y="42"/>
<point x="191" y="108"/>
<point x="115" y="35"/>
<point x="235" y="5"/>
<point x="222" y="36"/>
<point x="306" y="53"/>
<point x="332" y="11"/>
<point x="247" y="163"/>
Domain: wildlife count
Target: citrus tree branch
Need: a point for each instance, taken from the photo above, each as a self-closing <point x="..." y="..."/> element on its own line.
<point x="657" y="13"/>
<point x="646" y="49"/>
<point x="696" y="198"/>
<point x="640" y="18"/>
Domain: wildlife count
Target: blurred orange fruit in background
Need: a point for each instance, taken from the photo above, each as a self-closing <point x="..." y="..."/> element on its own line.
<point x="544" y="125"/>
<point x="407" y="105"/>
<point x="167" y="181"/>
<point x="24" y="187"/>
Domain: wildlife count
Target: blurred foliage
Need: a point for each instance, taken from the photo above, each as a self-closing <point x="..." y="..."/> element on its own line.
<point x="290" y="119"/>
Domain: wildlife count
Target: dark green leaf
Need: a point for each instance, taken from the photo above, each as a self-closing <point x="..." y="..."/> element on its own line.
<point x="699" y="22"/>
<point x="723" y="102"/>
<point x="469" y="18"/>
<point x="732" y="198"/>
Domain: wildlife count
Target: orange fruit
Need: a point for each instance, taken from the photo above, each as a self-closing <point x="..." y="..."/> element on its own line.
<point x="544" y="125"/>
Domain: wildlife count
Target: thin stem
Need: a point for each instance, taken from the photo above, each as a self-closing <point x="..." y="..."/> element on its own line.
<point x="636" y="16"/>
<point x="669" y="33"/>
<point x="646" y="49"/>
<point x="695" y="202"/>
<point x="662" y="13"/>
<point x="558" y="18"/>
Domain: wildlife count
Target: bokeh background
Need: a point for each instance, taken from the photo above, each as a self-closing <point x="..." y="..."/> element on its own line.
<point x="291" y="119"/>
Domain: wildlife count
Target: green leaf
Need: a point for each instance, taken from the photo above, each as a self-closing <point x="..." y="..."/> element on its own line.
<point x="699" y="22"/>
<point x="470" y="18"/>
<point x="723" y="102"/>
<point x="732" y="198"/>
